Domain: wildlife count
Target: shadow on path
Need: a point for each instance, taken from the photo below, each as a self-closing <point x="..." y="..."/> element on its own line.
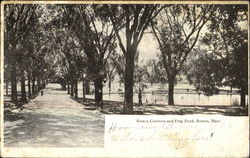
<point x="53" y="120"/>
<point x="115" y="107"/>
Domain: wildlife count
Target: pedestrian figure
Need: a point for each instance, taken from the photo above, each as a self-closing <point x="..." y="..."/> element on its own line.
<point x="42" y="92"/>
<point x="139" y="97"/>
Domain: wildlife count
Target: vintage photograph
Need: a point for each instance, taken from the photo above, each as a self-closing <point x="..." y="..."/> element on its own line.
<point x="66" y="66"/>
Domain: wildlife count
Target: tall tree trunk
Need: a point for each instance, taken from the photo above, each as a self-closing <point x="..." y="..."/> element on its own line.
<point x="63" y="84"/>
<point x="76" y="89"/>
<point x="23" y="91"/>
<point x="29" y="86"/>
<point x="87" y="88"/>
<point x="109" y="87"/>
<point x="72" y="88"/>
<point x="33" y="86"/>
<point x="242" y="97"/>
<point x="43" y="83"/>
<point x="83" y="89"/>
<point x="171" y="91"/>
<point x="129" y="82"/>
<point x="13" y="83"/>
<point x="7" y="87"/>
<point x="98" y="91"/>
<point x="68" y="85"/>
<point x="39" y="84"/>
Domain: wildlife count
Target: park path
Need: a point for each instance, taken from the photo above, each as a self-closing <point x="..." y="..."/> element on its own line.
<point x="54" y="120"/>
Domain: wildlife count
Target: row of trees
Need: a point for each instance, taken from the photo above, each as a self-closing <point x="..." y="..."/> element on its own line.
<point x="82" y="43"/>
<point x="224" y="46"/>
<point x="24" y="51"/>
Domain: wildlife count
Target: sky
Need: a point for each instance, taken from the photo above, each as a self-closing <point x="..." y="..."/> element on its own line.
<point x="148" y="48"/>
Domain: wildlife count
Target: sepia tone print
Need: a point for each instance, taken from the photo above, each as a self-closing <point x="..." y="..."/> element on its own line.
<point x="66" y="66"/>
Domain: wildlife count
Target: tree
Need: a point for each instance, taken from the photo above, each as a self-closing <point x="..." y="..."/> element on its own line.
<point x="71" y="58"/>
<point x="111" y="66"/>
<point x="31" y="57"/>
<point x="227" y="40"/>
<point x="120" y="67"/>
<point x="239" y="71"/>
<point x="202" y="72"/>
<point x="177" y="34"/>
<point x="135" y="19"/>
<point x="6" y="77"/>
<point x="19" y="19"/>
<point x="140" y="71"/>
<point x="83" y="22"/>
<point x="39" y="56"/>
<point x="155" y="71"/>
<point x="96" y="42"/>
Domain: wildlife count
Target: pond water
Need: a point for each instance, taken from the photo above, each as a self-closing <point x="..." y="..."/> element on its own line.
<point x="180" y="99"/>
<point x="185" y="94"/>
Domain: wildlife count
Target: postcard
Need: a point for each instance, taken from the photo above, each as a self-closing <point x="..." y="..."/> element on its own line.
<point x="124" y="78"/>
